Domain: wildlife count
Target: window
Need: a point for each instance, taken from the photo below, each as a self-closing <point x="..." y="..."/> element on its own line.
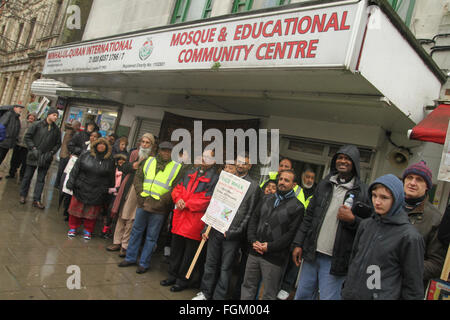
<point x="260" y="4"/>
<point x="30" y="33"/>
<point x="3" y="87"/>
<point x="2" y="40"/>
<point x="246" y="5"/>
<point x="19" y="34"/>
<point x="241" y="5"/>
<point x="55" y="19"/>
<point x="12" y="88"/>
<point x="404" y="9"/>
<point x="189" y="10"/>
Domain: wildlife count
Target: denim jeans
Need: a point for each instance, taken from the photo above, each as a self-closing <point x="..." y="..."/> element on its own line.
<point x="290" y="275"/>
<point x="153" y="222"/>
<point x="219" y="266"/>
<point x="40" y="182"/>
<point x="315" y="276"/>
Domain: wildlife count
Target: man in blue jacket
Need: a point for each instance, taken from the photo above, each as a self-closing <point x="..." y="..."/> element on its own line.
<point x="10" y="124"/>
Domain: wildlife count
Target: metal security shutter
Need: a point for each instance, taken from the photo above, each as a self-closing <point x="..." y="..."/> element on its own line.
<point x="147" y="125"/>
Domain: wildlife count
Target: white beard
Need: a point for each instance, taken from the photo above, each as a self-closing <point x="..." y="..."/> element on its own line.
<point x="144" y="153"/>
<point x="306" y="186"/>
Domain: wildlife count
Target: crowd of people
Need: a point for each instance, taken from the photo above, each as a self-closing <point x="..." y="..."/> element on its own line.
<point x="292" y="237"/>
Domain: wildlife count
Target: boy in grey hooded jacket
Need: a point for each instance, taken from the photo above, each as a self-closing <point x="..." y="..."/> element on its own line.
<point x="387" y="255"/>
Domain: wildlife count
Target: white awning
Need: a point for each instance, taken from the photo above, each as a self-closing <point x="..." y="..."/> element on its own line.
<point x="48" y="87"/>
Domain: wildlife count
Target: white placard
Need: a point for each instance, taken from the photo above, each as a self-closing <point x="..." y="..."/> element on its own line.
<point x="225" y="201"/>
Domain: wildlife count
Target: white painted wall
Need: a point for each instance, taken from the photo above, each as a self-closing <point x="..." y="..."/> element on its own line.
<point x="427" y="17"/>
<point x="394" y="68"/>
<point x="111" y="17"/>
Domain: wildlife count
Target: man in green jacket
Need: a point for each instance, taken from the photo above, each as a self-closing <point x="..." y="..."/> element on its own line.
<point x="417" y="182"/>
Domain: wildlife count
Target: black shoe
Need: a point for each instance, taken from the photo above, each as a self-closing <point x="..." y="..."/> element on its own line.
<point x="141" y="270"/>
<point x="177" y="288"/>
<point x="9" y="177"/>
<point x="126" y="263"/>
<point x="167" y="282"/>
<point x="38" y="205"/>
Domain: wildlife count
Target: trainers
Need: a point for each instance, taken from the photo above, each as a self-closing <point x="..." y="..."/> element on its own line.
<point x="72" y="233"/>
<point x="87" y="235"/>
<point x="199" y="296"/>
<point x="283" y="295"/>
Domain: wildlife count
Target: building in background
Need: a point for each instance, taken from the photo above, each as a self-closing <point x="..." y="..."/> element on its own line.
<point x="27" y="30"/>
<point x="325" y="73"/>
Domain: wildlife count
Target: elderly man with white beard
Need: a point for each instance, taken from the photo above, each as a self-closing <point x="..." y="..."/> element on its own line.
<point x="125" y="204"/>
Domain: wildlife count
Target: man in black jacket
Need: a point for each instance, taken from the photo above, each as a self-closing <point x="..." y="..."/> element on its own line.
<point x="43" y="139"/>
<point x="222" y="248"/>
<point x="270" y="232"/>
<point x="326" y="235"/>
<point x="10" y="120"/>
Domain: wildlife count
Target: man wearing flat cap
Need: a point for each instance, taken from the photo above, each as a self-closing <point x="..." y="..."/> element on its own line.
<point x="153" y="182"/>
<point x="43" y="140"/>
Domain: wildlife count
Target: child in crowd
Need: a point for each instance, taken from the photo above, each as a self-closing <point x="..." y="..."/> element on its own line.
<point x="270" y="187"/>
<point x="121" y="171"/>
<point x="387" y="255"/>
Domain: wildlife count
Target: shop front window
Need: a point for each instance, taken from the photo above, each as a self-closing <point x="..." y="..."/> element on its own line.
<point x="189" y="10"/>
<point x="104" y="118"/>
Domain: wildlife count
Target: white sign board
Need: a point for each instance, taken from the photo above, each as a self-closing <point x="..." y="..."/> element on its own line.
<point x="444" y="168"/>
<point x="304" y="37"/>
<point x="225" y="201"/>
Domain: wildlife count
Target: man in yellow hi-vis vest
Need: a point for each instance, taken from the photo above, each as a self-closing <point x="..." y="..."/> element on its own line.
<point x="153" y="182"/>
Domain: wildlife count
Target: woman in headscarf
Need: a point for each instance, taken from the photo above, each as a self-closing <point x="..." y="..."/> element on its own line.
<point x="90" y="179"/>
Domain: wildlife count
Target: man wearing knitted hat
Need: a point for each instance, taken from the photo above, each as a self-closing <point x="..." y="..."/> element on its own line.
<point x="43" y="140"/>
<point x="417" y="182"/>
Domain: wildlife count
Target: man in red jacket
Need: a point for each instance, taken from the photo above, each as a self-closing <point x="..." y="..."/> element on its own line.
<point x="191" y="197"/>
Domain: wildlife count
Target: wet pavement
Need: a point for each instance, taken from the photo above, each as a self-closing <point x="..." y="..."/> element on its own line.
<point x="35" y="254"/>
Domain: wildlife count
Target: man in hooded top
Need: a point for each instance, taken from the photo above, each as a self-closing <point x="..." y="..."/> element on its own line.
<point x="387" y="257"/>
<point x="325" y="236"/>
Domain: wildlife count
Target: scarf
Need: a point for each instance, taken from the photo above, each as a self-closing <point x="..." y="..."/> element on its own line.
<point x="412" y="203"/>
<point x="280" y="197"/>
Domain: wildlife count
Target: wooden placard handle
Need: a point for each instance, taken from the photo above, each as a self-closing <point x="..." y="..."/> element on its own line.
<point x="446" y="267"/>
<point x="197" y="254"/>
